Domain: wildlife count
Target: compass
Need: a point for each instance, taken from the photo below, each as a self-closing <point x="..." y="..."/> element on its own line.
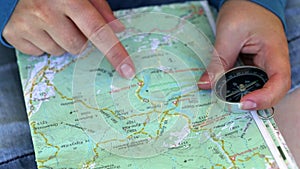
<point x="232" y="85"/>
<point x="239" y="81"/>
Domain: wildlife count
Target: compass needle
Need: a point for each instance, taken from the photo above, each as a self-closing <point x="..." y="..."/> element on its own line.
<point x="232" y="85"/>
<point x="251" y="84"/>
<point x="233" y="93"/>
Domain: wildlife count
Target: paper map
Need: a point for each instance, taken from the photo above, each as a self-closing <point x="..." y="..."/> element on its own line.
<point x="82" y="114"/>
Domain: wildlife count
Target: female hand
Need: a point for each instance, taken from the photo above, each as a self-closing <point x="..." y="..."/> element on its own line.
<point x="58" y="26"/>
<point x="247" y="29"/>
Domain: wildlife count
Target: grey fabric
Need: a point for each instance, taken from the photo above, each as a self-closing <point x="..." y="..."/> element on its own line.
<point x="292" y="14"/>
<point x="16" y="150"/>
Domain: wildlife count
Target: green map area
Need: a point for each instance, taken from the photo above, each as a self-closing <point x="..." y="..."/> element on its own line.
<point x="82" y="114"/>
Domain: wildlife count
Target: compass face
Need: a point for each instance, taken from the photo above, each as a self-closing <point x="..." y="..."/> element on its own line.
<point x="239" y="81"/>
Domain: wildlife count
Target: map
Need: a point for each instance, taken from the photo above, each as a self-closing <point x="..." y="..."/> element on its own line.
<point x="82" y="114"/>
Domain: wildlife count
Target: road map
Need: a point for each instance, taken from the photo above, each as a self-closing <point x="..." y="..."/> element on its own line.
<point x="82" y="114"/>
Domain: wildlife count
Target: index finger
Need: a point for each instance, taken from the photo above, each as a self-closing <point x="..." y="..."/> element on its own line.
<point x="94" y="27"/>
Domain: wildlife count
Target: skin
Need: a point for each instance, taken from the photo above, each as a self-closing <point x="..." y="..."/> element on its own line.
<point x="256" y="35"/>
<point x="243" y="29"/>
<point x="59" y="26"/>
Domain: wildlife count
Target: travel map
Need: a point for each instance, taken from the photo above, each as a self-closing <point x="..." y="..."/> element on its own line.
<point x="82" y="114"/>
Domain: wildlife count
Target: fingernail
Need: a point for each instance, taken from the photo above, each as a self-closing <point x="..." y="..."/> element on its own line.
<point x="248" y="105"/>
<point x="127" y="71"/>
<point x="203" y="82"/>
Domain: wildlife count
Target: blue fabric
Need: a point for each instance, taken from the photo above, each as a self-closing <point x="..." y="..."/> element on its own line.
<point x="117" y="5"/>
<point x="6" y="9"/>
<point x="275" y="6"/>
<point x="292" y="14"/>
<point x="16" y="149"/>
<point x="8" y="6"/>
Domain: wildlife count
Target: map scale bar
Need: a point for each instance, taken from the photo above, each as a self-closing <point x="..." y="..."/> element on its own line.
<point x="269" y="141"/>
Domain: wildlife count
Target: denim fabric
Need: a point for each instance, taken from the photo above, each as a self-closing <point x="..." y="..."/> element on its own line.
<point x="16" y="150"/>
<point x="6" y="9"/>
<point x="117" y="5"/>
<point x="292" y="13"/>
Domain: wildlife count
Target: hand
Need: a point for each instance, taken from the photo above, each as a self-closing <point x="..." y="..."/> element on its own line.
<point x="57" y="26"/>
<point x="257" y="35"/>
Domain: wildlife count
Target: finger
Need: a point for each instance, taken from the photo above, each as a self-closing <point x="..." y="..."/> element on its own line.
<point x="26" y="47"/>
<point x="45" y="43"/>
<point x="102" y="36"/>
<point x="19" y="29"/>
<point x="15" y="38"/>
<point x="213" y="70"/>
<point x="67" y="35"/>
<point x="104" y="9"/>
<point x="224" y="56"/>
<point x="268" y="96"/>
<point x="279" y="74"/>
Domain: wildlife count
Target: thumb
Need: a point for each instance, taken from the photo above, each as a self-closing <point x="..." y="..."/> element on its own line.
<point x="227" y="49"/>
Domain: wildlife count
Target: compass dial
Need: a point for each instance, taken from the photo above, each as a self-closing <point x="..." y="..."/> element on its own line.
<point x="239" y="81"/>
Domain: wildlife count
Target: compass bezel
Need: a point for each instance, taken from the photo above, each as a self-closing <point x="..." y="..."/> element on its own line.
<point x="233" y="75"/>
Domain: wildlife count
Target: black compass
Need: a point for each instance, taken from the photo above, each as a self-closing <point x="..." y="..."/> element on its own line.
<point x="232" y="85"/>
<point x="239" y="81"/>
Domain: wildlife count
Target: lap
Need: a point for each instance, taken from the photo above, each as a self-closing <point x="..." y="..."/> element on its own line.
<point x="16" y="150"/>
<point x="293" y="35"/>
